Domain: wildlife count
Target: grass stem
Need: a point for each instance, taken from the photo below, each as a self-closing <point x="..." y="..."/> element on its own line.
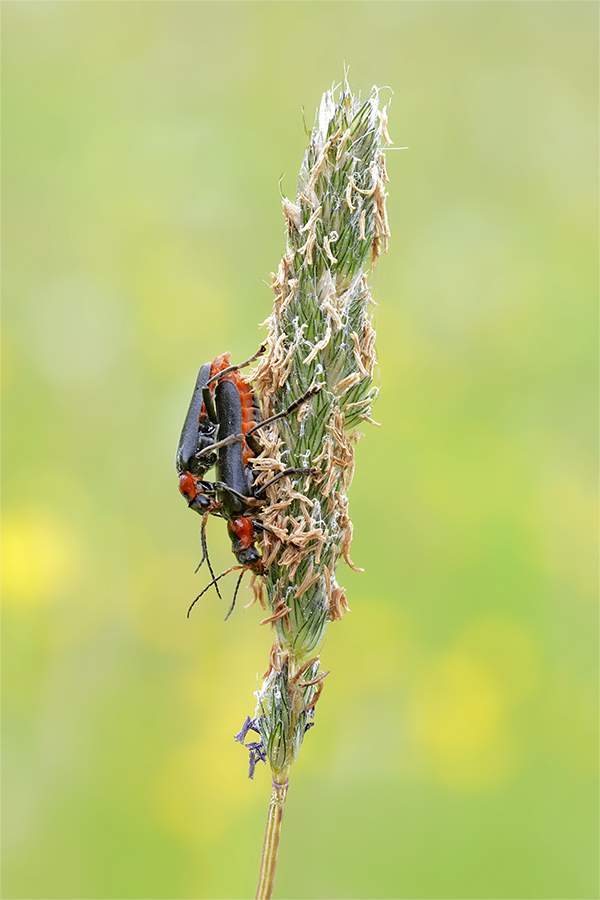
<point x="271" y="844"/>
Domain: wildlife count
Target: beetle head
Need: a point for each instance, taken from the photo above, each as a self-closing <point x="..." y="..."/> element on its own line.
<point x="241" y="532"/>
<point x="193" y="491"/>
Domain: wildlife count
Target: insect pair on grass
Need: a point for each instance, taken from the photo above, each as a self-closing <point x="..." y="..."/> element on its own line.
<point x="222" y="429"/>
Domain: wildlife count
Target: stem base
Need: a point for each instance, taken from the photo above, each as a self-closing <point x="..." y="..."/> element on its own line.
<point x="272" y="833"/>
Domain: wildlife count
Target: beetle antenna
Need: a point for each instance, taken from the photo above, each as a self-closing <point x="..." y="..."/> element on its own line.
<point x="201" y="563"/>
<point x="237" y="587"/>
<point x="205" y="555"/>
<point x="210" y="584"/>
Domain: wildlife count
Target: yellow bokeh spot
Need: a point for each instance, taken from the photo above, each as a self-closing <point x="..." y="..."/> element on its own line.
<point x="464" y="701"/>
<point x="460" y="724"/>
<point x="506" y="650"/>
<point x="38" y="556"/>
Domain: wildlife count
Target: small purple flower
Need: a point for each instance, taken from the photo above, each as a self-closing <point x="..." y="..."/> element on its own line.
<point x="256" y="748"/>
<point x="249" y="725"/>
<point x="257" y="752"/>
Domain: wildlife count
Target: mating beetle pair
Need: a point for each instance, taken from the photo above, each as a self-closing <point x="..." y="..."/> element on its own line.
<point x="220" y="430"/>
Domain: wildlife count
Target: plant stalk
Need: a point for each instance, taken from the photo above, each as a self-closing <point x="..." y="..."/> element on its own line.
<point x="272" y="833"/>
<point x="321" y="342"/>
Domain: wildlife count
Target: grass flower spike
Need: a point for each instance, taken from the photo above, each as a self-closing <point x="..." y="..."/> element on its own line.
<point x="320" y="337"/>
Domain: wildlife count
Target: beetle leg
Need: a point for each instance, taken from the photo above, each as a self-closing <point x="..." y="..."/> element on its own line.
<point x="279" y="475"/>
<point x="209" y="403"/>
<point x="290" y="409"/>
<point x="224" y="443"/>
<point x="221" y="486"/>
<point x="262" y="527"/>
<point x="230" y="369"/>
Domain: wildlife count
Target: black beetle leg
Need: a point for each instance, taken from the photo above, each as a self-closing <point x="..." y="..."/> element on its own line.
<point x="230" y="369"/>
<point x="263" y="527"/>
<point x="232" y="439"/>
<point x="283" y="474"/>
<point x="290" y="409"/>
<point x="221" y="486"/>
<point x="209" y="403"/>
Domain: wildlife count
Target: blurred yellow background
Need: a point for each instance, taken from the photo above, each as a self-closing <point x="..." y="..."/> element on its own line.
<point x="455" y="753"/>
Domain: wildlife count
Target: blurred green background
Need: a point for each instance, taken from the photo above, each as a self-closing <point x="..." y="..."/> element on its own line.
<point x="455" y="751"/>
